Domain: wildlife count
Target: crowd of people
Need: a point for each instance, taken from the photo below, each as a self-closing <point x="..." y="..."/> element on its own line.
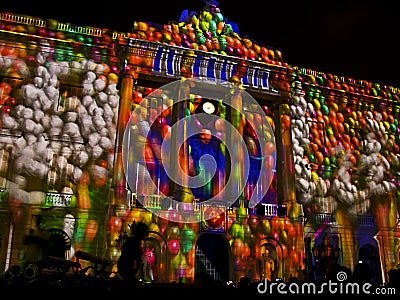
<point x="135" y="272"/>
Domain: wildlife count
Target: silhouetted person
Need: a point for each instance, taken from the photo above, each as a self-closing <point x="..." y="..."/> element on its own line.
<point x="244" y="282"/>
<point x="362" y="273"/>
<point x="202" y="280"/>
<point x="130" y="262"/>
<point x="394" y="278"/>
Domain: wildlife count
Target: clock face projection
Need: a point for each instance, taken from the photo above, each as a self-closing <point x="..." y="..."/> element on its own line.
<point x="214" y="217"/>
<point x="208" y="107"/>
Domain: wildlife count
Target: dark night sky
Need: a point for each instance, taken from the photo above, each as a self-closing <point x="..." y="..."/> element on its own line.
<point x="354" y="38"/>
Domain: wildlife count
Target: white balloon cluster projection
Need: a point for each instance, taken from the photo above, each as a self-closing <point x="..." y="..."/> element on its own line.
<point x="51" y="133"/>
<point x="353" y="184"/>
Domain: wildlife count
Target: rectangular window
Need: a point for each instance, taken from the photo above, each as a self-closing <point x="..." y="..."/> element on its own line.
<point x="70" y="98"/>
<point x="56" y="178"/>
<point x="10" y="89"/>
<point x="5" y="156"/>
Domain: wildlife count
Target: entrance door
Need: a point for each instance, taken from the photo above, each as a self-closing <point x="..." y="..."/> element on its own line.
<point x="369" y="256"/>
<point x="5" y="223"/>
<point x="212" y="257"/>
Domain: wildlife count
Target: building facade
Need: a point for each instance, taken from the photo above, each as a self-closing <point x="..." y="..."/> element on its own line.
<point x="238" y="163"/>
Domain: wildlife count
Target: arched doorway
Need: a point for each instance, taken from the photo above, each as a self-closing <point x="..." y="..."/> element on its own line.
<point x="368" y="255"/>
<point x="213" y="257"/>
<point x="326" y="256"/>
<point x="270" y="259"/>
<point x="158" y="246"/>
<point x="57" y="244"/>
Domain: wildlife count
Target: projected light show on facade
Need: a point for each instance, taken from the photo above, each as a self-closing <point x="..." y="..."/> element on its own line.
<point x="232" y="162"/>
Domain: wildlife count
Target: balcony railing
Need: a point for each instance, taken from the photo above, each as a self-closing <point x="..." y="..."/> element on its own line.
<point x="366" y="220"/>
<point x="167" y="61"/>
<point x="324" y="218"/>
<point x="58" y="199"/>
